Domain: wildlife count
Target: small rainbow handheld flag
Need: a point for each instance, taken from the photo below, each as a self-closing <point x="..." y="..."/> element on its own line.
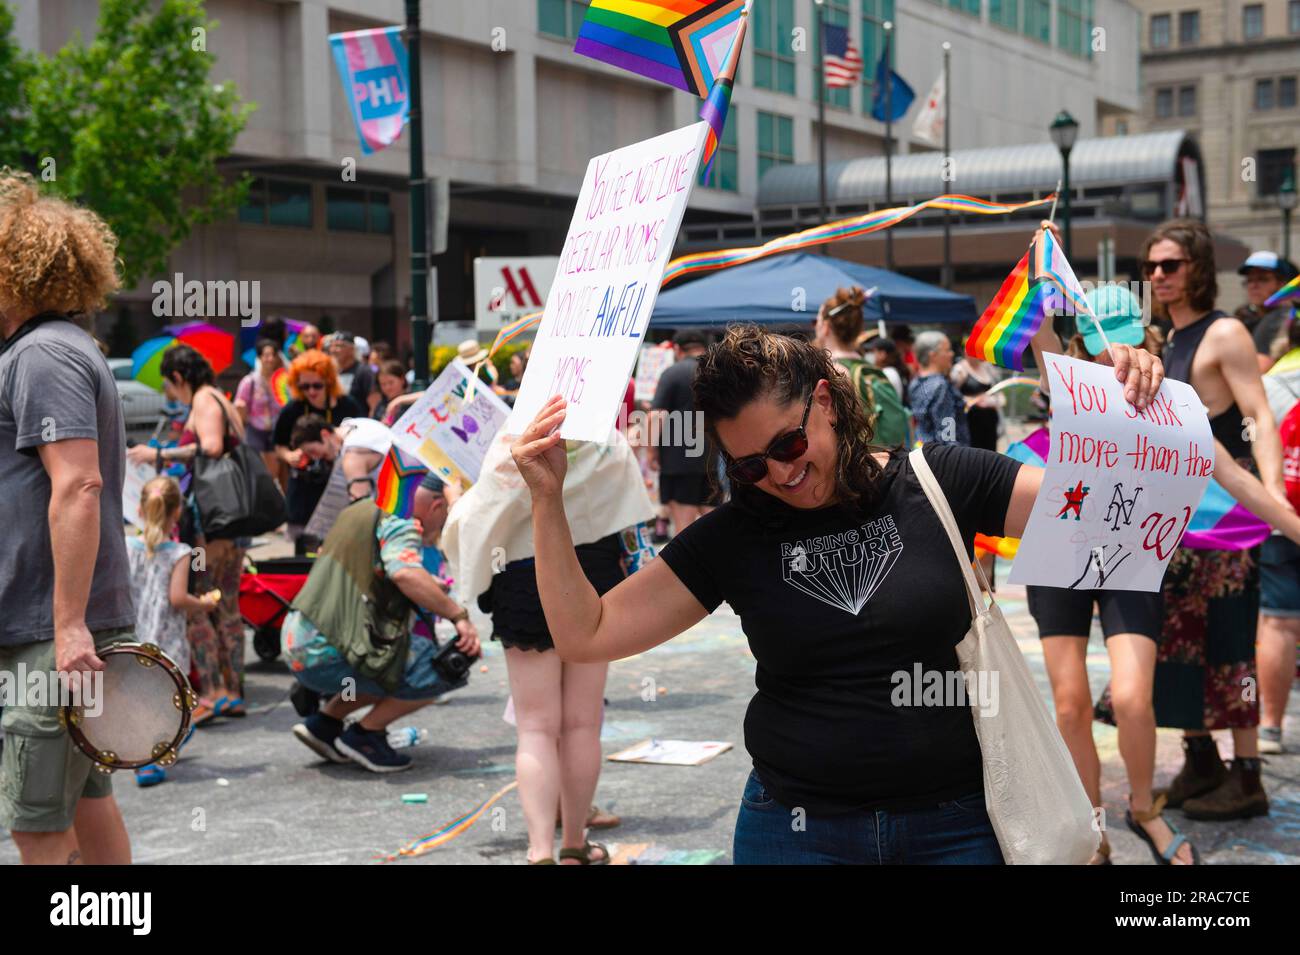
<point x="1011" y="320"/>
<point x="1285" y="294"/>
<point x="397" y="481"/>
<point x="714" y="110"/>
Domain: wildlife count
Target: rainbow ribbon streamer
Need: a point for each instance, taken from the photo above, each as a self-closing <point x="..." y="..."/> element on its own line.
<point x="397" y="482"/>
<point x="441" y="837"/>
<point x="1287" y="292"/>
<point x="849" y="228"/>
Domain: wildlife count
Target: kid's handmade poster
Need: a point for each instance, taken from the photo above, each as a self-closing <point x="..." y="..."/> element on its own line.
<point x="449" y="434"/>
<point x="649" y="367"/>
<point x="619" y="242"/>
<point x="1121" y="485"/>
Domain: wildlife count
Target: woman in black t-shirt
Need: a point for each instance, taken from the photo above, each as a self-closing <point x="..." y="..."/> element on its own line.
<point x="846" y="586"/>
<point x="314" y="384"/>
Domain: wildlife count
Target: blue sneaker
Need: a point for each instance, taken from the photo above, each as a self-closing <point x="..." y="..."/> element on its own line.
<point x="318" y="733"/>
<point x="370" y="748"/>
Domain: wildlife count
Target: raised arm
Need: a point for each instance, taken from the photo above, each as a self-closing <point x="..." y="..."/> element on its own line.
<point x="647" y="609"/>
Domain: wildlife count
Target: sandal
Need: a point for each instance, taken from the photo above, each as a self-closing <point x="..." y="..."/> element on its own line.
<point x="203" y="713"/>
<point x="547" y="861"/>
<point x="596" y="819"/>
<point x="1134" y="822"/>
<point x="231" y="707"/>
<point x="1102" y="855"/>
<point x="583" y="855"/>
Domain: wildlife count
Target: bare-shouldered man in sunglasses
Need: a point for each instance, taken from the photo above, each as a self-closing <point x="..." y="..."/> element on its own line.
<point x="1207" y="655"/>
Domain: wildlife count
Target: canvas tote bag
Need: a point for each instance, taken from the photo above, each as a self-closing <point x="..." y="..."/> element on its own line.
<point x="1037" y="804"/>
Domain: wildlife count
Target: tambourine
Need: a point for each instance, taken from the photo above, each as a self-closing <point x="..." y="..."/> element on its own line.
<point x="144" y="714"/>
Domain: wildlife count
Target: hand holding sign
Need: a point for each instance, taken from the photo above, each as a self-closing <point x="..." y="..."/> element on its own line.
<point x="1122" y="481"/>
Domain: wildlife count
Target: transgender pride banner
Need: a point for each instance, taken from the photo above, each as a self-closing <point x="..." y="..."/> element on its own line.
<point x="372" y="65"/>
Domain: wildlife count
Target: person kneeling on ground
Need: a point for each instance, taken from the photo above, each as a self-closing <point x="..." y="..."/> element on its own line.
<point x="349" y="637"/>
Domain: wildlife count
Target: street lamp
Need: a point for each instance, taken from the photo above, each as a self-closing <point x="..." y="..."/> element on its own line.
<point x="1286" y="201"/>
<point x="1064" y="130"/>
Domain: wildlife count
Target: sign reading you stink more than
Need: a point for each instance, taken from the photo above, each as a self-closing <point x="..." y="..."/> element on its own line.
<point x="1121" y="485"/>
<point x="619" y="242"/>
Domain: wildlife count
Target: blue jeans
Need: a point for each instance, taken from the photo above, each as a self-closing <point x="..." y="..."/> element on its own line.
<point x="957" y="832"/>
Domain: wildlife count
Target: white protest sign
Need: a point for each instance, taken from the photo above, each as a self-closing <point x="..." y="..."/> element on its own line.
<point x="649" y="367"/>
<point x="614" y="256"/>
<point x="448" y="435"/>
<point x="1121" y="485"/>
<point x="134" y="478"/>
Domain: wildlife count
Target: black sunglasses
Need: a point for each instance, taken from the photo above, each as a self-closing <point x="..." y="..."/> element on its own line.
<point x="1168" y="266"/>
<point x="311" y="386"/>
<point x="784" y="448"/>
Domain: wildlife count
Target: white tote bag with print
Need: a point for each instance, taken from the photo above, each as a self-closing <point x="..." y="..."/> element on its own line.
<point x="1038" y="806"/>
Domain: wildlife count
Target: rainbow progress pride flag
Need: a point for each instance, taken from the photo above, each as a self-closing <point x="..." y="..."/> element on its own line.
<point x="398" y="479"/>
<point x="1288" y="292"/>
<point x="714" y="110"/>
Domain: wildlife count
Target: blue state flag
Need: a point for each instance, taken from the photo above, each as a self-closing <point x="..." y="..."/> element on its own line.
<point x="900" y="94"/>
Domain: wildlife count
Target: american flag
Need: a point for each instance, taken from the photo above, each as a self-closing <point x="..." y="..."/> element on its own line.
<point x="840" y="58"/>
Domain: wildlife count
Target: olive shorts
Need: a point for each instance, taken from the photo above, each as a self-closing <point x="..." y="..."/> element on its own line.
<point x="42" y="772"/>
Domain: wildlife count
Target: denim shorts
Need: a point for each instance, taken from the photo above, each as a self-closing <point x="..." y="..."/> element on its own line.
<point x="420" y="681"/>
<point x="956" y="832"/>
<point x="1279" y="578"/>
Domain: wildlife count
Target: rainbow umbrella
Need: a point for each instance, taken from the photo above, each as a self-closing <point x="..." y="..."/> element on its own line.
<point x="217" y="346"/>
<point x="248" y="339"/>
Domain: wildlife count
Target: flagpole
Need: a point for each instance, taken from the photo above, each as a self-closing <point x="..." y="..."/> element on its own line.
<point x="821" y="115"/>
<point x="889" y="143"/>
<point x="947" y="157"/>
<point x="421" y="332"/>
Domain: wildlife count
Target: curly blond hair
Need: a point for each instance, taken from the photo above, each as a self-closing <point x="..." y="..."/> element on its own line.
<point x="54" y="256"/>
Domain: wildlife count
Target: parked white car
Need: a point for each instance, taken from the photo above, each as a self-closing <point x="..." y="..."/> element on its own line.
<point x="141" y="405"/>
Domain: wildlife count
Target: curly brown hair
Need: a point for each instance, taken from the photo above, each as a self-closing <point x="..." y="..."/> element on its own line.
<point x="843" y="311"/>
<point x="54" y="256"/>
<point x="318" y="363"/>
<point x="1198" y="246"/>
<point x="751" y="363"/>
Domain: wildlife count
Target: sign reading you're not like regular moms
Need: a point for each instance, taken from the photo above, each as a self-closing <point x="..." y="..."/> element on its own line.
<point x="1121" y="485"/>
<point x="619" y="242"/>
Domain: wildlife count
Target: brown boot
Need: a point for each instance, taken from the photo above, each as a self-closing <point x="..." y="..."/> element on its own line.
<point x="1241" y="795"/>
<point x="1203" y="771"/>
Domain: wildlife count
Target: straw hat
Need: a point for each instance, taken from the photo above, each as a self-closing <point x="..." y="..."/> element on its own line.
<point x="470" y="351"/>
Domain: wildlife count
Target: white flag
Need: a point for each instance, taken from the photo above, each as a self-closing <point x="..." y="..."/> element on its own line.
<point x="929" y="121"/>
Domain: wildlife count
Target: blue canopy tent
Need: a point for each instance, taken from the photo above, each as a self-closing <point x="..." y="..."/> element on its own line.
<point x="763" y="292"/>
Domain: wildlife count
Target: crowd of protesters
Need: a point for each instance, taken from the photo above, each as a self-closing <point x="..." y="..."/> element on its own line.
<point x="809" y="430"/>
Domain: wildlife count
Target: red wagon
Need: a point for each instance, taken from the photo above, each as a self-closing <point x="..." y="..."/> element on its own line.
<point x="266" y="592"/>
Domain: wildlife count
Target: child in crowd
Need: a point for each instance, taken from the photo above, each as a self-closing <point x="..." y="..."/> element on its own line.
<point x="160" y="577"/>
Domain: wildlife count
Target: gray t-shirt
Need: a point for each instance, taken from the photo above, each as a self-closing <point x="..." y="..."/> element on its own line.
<point x="56" y="386"/>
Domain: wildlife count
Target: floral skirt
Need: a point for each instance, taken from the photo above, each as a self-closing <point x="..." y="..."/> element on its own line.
<point x="1205" y="667"/>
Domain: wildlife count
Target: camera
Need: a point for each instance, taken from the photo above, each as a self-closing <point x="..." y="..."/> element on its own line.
<point x="451" y="663"/>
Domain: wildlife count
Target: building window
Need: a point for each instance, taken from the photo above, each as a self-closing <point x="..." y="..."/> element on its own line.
<point x="1038" y="20"/>
<point x="724" y="172"/>
<point x="562" y="18"/>
<point x="1272" y="166"/>
<point x="966" y="6"/>
<point x="1006" y="13"/>
<point x="1189" y="28"/>
<point x="358" y="210"/>
<point x="1286" y="92"/>
<point x="1187" y="101"/>
<point x="773" y="58"/>
<point x="1293" y="16"/>
<point x="1159" y="38"/>
<point x="775" y="141"/>
<point x="874" y="15"/>
<point x="1164" y="102"/>
<point x="277" y="202"/>
<point x="1264" y="94"/>
<point x="836" y="13"/>
<point x="1074" y="27"/>
<point x="1252" y="21"/>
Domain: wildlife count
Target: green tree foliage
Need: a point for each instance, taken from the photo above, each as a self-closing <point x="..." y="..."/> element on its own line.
<point x="134" y="127"/>
<point x="15" y="66"/>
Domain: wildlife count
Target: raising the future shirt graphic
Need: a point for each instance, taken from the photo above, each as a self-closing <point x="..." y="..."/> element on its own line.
<point x="843" y="569"/>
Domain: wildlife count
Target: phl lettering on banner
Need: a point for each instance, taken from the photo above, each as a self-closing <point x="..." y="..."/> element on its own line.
<point x="449" y="435"/>
<point x="619" y="242"/>
<point x="1121" y="485"/>
<point x="649" y="367"/>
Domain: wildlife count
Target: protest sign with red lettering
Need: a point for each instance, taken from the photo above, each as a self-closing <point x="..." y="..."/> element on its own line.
<point x="447" y="433"/>
<point x="1121" y="485"/>
<point x="619" y="242"/>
